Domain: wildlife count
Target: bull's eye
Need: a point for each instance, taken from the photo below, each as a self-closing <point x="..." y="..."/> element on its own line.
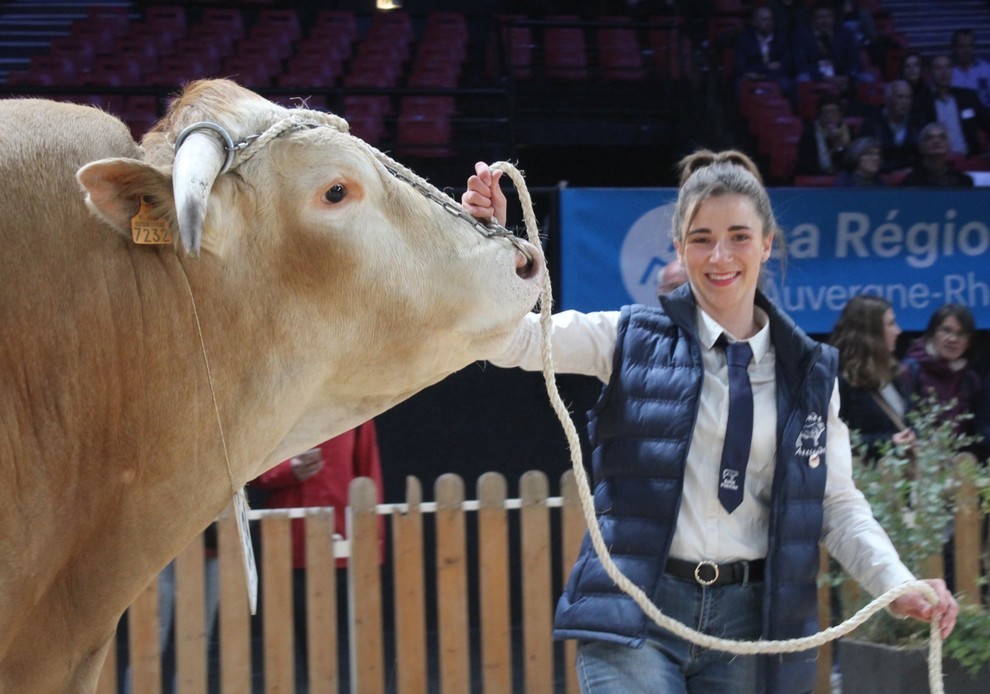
<point x="336" y="193"/>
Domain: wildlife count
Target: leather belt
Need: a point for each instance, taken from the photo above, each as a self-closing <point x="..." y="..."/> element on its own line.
<point x="708" y="573"/>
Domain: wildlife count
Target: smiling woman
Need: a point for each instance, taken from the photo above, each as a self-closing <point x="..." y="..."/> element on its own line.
<point x="709" y="505"/>
<point x="937" y="363"/>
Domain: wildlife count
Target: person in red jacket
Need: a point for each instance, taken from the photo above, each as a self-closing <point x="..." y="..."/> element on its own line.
<point x="321" y="477"/>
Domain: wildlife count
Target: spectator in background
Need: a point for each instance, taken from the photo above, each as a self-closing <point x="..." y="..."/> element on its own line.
<point x="873" y="395"/>
<point x="826" y="52"/>
<point x="934" y="169"/>
<point x="315" y="478"/>
<point x="895" y="127"/>
<point x="913" y="71"/>
<point x="864" y="160"/>
<point x="968" y="70"/>
<point x="937" y="363"/>
<point x="671" y="276"/>
<point x="822" y="147"/>
<point x="857" y="19"/>
<point x="763" y="52"/>
<point x="960" y="110"/>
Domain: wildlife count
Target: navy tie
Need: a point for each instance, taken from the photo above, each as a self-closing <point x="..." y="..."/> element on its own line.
<point x="739" y="429"/>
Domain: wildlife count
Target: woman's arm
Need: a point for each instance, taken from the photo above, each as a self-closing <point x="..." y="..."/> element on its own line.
<point x="581" y="343"/>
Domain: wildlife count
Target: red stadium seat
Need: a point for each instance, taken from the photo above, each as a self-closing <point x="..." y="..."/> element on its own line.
<point x="619" y="53"/>
<point x="871" y="93"/>
<point x="671" y="50"/>
<point x="172" y="17"/>
<point x="249" y="72"/>
<point x="282" y="21"/>
<point x="423" y="135"/>
<point x="814" y="181"/>
<point x="777" y="129"/>
<point x="519" y="48"/>
<point x="564" y="52"/>
<point x="360" y="105"/>
<point x="767" y="109"/>
<point x="342" y="23"/>
<point x="752" y="91"/>
<point x="228" y="19"/>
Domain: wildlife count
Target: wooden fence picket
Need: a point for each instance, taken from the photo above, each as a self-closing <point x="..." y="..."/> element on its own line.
<point x="321" y="602"/>
<point x="967" y="542"/>
<point x="144" y="642"/>
<point x="234" y="618"/>
<point x="409" y="602"/>
<point x="452" y="602"/>
<point x="276" y="597"/>
<point x="493" y="584"/>
<point x="365" y="591"/>
<point x="537" y="590"/>
<point x="572" y="532"/>
<point x="191" y="642"/>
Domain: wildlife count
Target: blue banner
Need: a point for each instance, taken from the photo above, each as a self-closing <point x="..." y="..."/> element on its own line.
<point x="919" y="249"/>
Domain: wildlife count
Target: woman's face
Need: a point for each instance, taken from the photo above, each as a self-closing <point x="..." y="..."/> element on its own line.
<point x="869" y="162"/>
<point x="912" y="68"/>
<point x="890" y="329"/>
<point x="950" y="341"/>
<point x="722" y="250"/>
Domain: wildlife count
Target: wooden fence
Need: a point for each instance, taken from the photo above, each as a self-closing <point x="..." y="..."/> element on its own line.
<point x="475" y="616"/>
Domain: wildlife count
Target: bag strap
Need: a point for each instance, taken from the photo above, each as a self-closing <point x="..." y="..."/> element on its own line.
<point x="889" y="411"/>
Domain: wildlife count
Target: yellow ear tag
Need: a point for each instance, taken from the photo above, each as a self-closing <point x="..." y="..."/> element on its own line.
<point x="146" y="229"/>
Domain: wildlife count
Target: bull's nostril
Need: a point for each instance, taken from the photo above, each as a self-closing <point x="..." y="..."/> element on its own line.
<point x="526" y="265"/>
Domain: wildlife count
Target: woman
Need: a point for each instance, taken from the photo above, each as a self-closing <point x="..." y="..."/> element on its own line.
<point x="658" y="432"/>
<point x="873" y="397"/>
<point x="937" y="364"/>
<point x="914" y="73"/>
<point x="864" y="161"/>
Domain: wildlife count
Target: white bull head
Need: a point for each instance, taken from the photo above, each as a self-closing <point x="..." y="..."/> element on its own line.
<point x="327" y="239"/>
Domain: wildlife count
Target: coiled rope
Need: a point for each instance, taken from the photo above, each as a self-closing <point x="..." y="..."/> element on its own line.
<point x="634" y="591"/>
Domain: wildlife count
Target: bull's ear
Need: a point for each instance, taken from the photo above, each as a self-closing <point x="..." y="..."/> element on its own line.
<point x="114" y="188"/>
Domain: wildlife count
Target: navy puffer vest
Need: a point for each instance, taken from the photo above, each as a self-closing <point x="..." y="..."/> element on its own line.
<point x="640" y="430"/>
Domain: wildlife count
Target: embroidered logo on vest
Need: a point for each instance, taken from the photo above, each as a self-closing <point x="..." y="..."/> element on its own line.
<point x="809" y="440"/>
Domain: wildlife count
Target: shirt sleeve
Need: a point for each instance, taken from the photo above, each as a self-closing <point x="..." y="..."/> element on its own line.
<point x="850" y="532"/>
<point x="581" y="343"/>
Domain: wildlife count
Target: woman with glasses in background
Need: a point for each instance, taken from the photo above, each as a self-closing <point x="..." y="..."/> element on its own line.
<point x="937" y="363"/>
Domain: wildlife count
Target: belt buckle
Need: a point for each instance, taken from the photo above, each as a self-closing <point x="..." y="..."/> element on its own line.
<point x="697" y="572"/>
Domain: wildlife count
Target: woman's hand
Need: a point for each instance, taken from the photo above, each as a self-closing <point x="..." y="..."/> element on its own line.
<point x="917" y="605"/>
<point x="904" y="438"/>
<point x="484" y="198"/>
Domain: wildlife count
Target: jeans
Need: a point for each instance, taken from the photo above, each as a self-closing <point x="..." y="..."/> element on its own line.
<point x="667" y="664"/>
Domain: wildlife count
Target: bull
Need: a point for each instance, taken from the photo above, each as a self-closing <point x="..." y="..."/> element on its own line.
<point x="306" y="283"/>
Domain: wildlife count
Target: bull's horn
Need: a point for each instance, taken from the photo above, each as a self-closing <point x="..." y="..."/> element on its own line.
<point x="199" y="159"/>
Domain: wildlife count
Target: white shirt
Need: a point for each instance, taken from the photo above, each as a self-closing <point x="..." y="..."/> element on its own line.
<point x="975" y="77"/>
<point x="947" y="113"/>
<point x="585" y="343"/>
